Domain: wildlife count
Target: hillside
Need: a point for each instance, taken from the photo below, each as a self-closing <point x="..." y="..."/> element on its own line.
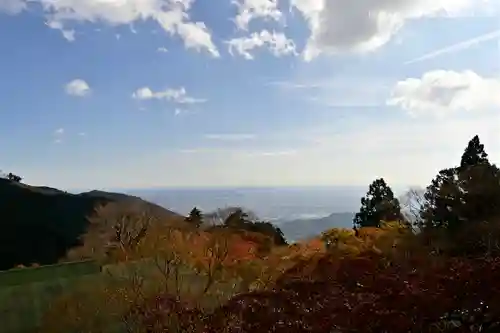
<point x="301" y="229"/>
<point x="39" y="224"/>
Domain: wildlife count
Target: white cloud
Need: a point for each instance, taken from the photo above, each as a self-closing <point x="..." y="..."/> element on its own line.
<point x="441" y="92"/>
<point x="143" y="93"/>
<point x="78" y="88"/>
<point x="230" y="137"/>
<point x="178" y="96"/>
<point x="197" y="36"/>
<point x="365" y="25"/>
<point x="162" y="49"/>
<point x="249" y="10"/>
<point x="58" y="135"/>
<point x="12" y="7"/>
<point x="171" y="15"/>
<point x="68" y="34"/>
<point x="277" y="42"/>
<point x="463" y="45"/>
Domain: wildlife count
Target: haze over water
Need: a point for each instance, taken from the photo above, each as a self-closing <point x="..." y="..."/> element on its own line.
<point x="270" y="203"/>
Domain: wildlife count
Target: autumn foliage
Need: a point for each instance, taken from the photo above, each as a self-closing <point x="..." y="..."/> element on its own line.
<point x="439" y="274"/>
<point x="365" y="294"/>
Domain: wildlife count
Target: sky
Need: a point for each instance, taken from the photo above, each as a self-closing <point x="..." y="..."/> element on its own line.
<point x="198" y="93"/>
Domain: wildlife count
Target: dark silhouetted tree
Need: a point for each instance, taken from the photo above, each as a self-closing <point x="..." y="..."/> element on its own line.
<point x="442" y="201"/>
<point x="195" y="217"/>
<point x="13" y="177"/>
<point x="218" y="216"/>
<point x="480" y="184"/>
<point x="378" y="205"/>
<point x="474" y="154"/>
<point x="268" y="229"/>
<point x="468" y="193"/>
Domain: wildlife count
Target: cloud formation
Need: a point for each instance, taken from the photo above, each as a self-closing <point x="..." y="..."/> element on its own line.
<point x="276" y="42"/>
<point x="58" y="135"/>
<point x="78" y="88"/>
<point x="441" y="92"/>
<point x="171" y="15"/>
<point x="59" y="131"/>
<point x="178" y="96"/>
<point x="365" y="25"/>
<point x="12" y="7"/>
<point x="68" y="34"/>
<point x="249" y="10"/>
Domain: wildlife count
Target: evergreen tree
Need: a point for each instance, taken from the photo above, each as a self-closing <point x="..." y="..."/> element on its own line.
<point x="467" y="193"/>
<point x="441" y="201"/>
<point x="474" y="154"/>
<point x="480" y="187"/>
<point x="378" y="205"/>
<point x="195" y="217"/>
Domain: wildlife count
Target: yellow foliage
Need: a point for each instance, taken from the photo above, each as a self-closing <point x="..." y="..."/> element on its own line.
<point x="354" y="242"/>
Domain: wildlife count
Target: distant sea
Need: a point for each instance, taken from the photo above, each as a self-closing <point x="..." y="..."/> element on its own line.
<point x="268" y="203"/>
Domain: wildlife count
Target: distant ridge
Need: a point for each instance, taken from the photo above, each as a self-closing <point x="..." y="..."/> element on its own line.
<point x="40" y="224"/>
<point x="301" y="229"/>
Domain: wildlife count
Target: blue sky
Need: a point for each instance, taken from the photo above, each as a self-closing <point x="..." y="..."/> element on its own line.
<point x="147" y="93"/>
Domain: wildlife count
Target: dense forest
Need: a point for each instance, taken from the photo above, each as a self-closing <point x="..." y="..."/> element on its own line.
<point x="433" y="268"/>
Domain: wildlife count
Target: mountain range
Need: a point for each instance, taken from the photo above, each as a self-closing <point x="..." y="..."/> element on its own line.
<point x="40" y="224"/>
<point x="301" y="229"/>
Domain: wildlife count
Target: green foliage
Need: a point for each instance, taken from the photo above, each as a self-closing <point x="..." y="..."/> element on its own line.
<point x="469" y="193"/>
<point x="268" y="229"/>
<point x="21" y="276"/>
<point x="240" y="220"/>
<point x="441" y="200"/>
<point x="378" y="205"/>
<point x="23" y="304"/>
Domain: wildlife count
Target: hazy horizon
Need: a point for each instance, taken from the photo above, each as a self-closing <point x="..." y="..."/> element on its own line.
<point x="274" y="203"/>
<point x="396" y="187"/>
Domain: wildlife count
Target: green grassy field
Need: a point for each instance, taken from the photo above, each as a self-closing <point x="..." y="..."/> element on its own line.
<point x="25" y="294"/>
